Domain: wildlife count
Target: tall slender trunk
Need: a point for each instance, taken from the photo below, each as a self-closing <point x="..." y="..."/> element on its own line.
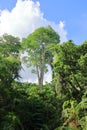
<point x="40" y="74"/>
<point x="42" y="68"/>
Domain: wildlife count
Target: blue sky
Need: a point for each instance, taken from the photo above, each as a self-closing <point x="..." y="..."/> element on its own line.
<point x="72" y="12"/>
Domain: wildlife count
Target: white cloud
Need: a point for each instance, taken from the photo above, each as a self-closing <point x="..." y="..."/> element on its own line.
<point x="24" y="18"/>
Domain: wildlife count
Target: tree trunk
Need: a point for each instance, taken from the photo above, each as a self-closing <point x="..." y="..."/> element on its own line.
<point x="40" y="82"/>
<point x="41" y="75"/>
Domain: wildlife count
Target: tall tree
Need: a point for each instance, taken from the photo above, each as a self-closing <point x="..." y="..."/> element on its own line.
<point x="36" y="47"/>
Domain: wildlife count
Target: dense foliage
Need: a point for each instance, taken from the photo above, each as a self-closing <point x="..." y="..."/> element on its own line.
<point x="59" y="105"/>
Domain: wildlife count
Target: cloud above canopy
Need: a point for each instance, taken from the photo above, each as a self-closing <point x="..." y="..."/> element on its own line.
<point x="24" y="18"/>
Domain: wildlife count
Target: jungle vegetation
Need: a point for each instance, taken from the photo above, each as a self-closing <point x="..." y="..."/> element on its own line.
<point x="58" y="105"/>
